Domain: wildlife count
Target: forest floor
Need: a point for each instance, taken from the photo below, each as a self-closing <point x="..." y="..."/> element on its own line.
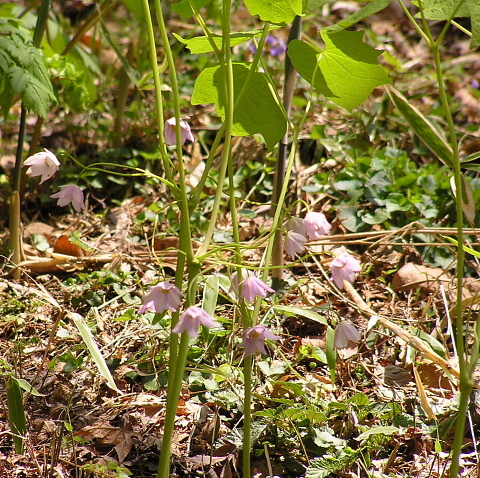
<point x="388" y="407"/>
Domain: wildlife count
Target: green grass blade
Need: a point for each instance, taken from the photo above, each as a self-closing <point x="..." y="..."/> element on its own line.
<point x="94" y="350"/>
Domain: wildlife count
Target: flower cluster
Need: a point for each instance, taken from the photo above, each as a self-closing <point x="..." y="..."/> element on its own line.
<point x="313" y="226"/>
<point x="46" y="164"/>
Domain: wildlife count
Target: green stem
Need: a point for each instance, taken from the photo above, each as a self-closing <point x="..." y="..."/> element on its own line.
<point x="186" y="258"/>
<point x="223" y="130"/>
<point x="288" y="90"/>
<point x="16" y="246"/>
<point x="247" y="417"/>
<point x="466" y="381"/>
<point x="174" y="389"/>
<point x="158" y="90"/>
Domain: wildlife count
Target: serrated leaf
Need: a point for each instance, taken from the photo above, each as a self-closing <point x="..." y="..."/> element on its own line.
<point x="309" y="314"/>
<point x="372" y="7"/>
<point x="201" y="44"/>
<point x="183" y="8"/>
<point x="37" y="97"/>
<point x="275" y="11"/>
<point x="347" y="70"/>
<point x="422" y="127"/>
<point x="258" y="102"/>
<point x="19" y="79"/>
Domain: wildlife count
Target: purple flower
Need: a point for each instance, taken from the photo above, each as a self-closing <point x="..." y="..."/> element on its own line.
<point x="475" y="84"/>
<point x="254" y="339"/>
<point x="191" y="319"/>
<point x="316" y="225"/>
<point x="171" y="134"/>
<point x="343" y="268"/>
<point x="294" y="243"/>
<point x="161" y="297"/>
<point x="70" y="194"/>
<point x="345" y="332"/>
<point x="250" y="288"/>
<point x="43" y="164"/>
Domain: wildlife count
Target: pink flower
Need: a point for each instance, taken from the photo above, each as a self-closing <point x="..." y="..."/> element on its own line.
<point x="250" y="288"/>
<point x="346" y="335"/>
<point x="43" y="164"/>
<point x="343" y="268"/>
<point x="294" y="243"/>
<point x="296" y="224"/>
<point x="254" y="339"/>
<point x="70" y="194"/>
<point x="171" y="134"/>
<point x="161" y="297"/>
<point x="316" y="225"/>
<point x="191" y="319"/>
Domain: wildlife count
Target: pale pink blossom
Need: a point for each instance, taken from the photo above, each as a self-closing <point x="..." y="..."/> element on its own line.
<point x="43" y="164"/>
<point x="171" y="134"/>
<point x="343" y="268"/>
<point x="316" y="225"/>
<point x="250" y="288"/>
<point x="346" y="335"/>
<point x="191" y="320"/>
<point x="70" y="194"/>
<point x="254" y="339"/>
<point x="294" y="243"/>
<point x="296" y="224"/>
<point x="161" y="297"/>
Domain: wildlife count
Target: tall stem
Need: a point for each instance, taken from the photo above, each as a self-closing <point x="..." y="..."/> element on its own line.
<point x="15" y="224"/>
<point x="466" y="380"/>
<point x="288" y="90"/>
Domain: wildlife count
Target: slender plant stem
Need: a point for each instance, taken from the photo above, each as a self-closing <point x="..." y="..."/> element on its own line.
<point x="466" y="381"/>
<point x="290" y="81"/>
<point x="222" y="172"/>
<point x="178" y="354"/>
<point x="16" y="246"/>
<point x="158" y="91"/>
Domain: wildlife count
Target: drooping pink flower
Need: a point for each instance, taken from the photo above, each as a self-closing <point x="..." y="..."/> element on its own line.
<point x="191" y="320"/>
<point x="43" y="164"/>
<point x="70" y="194"/>
<point x="250" y="288"/>
<point x="316" y="225"/>
<point x="254" y="339"/>
<point x="343" y="268"/>
<point x="161" y="297"/>
<point x="171" y="134"/>
<point x="296" y="224"/>
<point x="294" y="243"/>
<point x="346" y="335"/>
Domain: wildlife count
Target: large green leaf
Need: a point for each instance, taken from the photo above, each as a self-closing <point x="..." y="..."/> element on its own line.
<point x="447" y="9"/>
<point x="258" y="112"/>
<point x="347" y="70"/>
<point x="422" y="127"/>
<point x="275" y="11"/>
